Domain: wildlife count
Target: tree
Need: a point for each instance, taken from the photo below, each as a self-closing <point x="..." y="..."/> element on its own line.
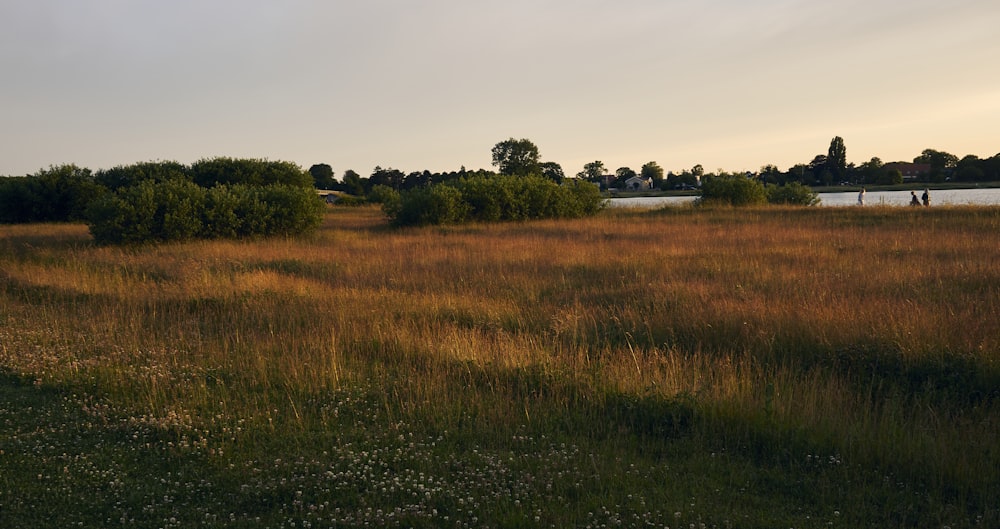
<point x="322" y="176"/>
<point x="871" y="170"/>
<point x="553" y="171"/>
<point x="770" y="174"/>
<point x="653" y="171"/>
<point x="836" y="157"/>
<point x="353" y="183"/>
<point x="387" y="177"/>
<point x="516" y="157"/>
<point x="592" y="171"/>
<point x="622" y="174"/>
<point x="941" y="162"/>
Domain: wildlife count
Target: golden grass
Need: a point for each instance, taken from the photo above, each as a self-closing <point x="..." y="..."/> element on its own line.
<point x="782" y="314"/>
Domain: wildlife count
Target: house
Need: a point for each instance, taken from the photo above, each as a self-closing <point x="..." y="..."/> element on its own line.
<point x="910" y="171"/>
<point x="638" y="183"/>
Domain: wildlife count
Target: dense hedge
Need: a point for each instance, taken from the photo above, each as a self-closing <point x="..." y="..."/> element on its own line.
<point x="492" y="199"/>
<point x="179" y="210"/>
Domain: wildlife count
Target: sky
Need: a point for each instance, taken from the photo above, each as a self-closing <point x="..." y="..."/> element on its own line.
<point x="435" y="84"/>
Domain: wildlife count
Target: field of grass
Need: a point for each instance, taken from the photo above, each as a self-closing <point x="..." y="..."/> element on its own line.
<point x="730" y="368"/>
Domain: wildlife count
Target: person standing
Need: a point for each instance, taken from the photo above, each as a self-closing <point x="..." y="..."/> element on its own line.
<point x="861" y="197"/>
<point x="926" y="197"/>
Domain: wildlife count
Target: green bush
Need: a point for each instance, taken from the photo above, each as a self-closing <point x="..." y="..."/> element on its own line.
<point x="494" y="198"/>
<point x="56" y="194"/>
<point x="123" y="217"/>
<point x="437" y="204"/>
<point x="732" y="191"/>
<point x="177" y="210"/>
<point x="214" y="171"/>
<point x="792" y="193"/>
<point x="128" y="175"/>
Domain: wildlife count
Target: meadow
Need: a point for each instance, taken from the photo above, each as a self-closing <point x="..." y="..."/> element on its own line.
<point x="682" y="368"/>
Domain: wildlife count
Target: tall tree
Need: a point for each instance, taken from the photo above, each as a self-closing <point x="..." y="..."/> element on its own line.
<point x="836" y="157"/>
<point x="516" y="157"/>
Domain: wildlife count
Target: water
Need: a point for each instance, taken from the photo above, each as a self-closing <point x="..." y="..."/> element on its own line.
<point x="951" y="197"/>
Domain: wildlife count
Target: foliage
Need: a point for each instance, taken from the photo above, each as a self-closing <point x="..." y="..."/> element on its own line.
<point x="494" y="199"/>
<point x="56" y="194"/>
<point x="248" y="171"/>
<point x="383" y="194"/>
<point x="792" y="193"/>
<point x="836" y="158"/>
<point x="128" y="175"/>
<point x="322" y="175"/>
<point x="592" y="171"/>
<point x="516" y="157"/>
<point x="177" y="210"/>
<point x="732" y="191"/>
<point x="653" y="171"/>
<point x="437" y="204"/>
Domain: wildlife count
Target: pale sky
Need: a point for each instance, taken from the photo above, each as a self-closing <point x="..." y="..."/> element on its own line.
<point x="434" y="84"/>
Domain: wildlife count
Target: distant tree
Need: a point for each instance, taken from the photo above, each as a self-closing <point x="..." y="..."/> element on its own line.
<point x="770" y="174"/>
<point x="516" y="157"/>
<point x="592" y="171"/>
<point x="892" y="176"/>
<point x="417" y="179"/>
<point x="942" y="163"/>
<point x="553" y="171"/>
<point x="323" y="176"/>
<point x="653" y="171"/>
<point x="386" y="177"/>
<point x="836" y="158"/>
<point x="353" y="184"/>
<point x="870" y="170"/>
<point x="622" y="174"/>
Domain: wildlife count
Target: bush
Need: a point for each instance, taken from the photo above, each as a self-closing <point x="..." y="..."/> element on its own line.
<point x="129" y="175"/>
<point x="437" y="204"/>
<point x="56" y="194"/>
<point x="731" y="190"/>
<point x="150" y="211"/>
<point x="494" y="198"/>
<point x="792" y="193"/>
<point x="177" y="210"/>
<point x="248" y="171"/>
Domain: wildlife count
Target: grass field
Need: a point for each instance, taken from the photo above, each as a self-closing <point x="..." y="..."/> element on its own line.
<point x="823" y="367"/>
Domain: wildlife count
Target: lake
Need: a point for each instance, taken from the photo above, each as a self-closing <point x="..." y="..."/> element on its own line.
<point x="952" y="197"/>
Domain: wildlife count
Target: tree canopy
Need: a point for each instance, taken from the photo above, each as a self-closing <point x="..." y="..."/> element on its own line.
<point x="516" y="157"/>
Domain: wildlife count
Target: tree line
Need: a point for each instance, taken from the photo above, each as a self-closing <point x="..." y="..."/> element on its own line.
<point x="520" y="157"/>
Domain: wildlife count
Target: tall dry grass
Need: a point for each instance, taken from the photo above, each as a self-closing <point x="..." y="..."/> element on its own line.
<point x="871" y="333"/>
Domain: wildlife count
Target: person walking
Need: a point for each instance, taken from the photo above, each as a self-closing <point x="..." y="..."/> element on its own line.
<point x="914" y="201"/>
<point x="926" y="197"/>
<point x="861" y="197"/>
